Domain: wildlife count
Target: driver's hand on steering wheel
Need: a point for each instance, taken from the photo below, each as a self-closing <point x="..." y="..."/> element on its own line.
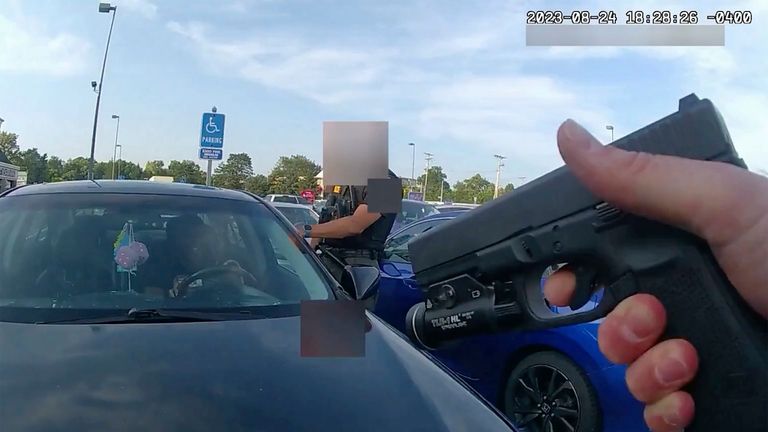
<point x="175" y="292"/>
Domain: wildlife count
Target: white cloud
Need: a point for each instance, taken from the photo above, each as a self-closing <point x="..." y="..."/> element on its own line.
<point x="516" y="115"/>
<point x="512" y="111"/>
<point x="26" y="47"/>
<point x="144" y="7"/>
<point x="324" y="74"/>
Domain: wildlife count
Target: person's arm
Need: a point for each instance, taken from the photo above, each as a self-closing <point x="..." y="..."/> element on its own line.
<point x="347" y="226"/>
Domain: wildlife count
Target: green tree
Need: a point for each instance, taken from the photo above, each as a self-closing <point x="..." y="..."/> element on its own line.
<point x="35" y="164"/>
<point x="233" y="173"/>
<point x="129" y="170"/>
<point x="187" y="171"/>
<point x="508" y="188"/>
<point x="258" y="184"/>
<point x="55" y="169"/>
<point x="293" y="174"/>
<point x="75" y="169"/>
<point x="103" y="170"/>
<point x="155" y="168"/>
<point x="9" y="146"/>
<point x="474" y="189"/>
<point x="436" y="174"/>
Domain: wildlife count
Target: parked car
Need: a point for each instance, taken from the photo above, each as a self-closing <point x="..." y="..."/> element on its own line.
<point x="297" y="213"/>
<point x="412" y="211"/>
<point x="452" y="208"/>
<point x="87" y="345"/>
<point x="318" y="205"/>
<point x="512" y="369"/>
<point x="291" y="199"/>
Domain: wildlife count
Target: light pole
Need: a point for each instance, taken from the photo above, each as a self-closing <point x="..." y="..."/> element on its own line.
<point x="428" y="157"/>
<point x="103" y="8"/>
<point x="498" y="175"/>
<point x="413" y="166"/>
<point x="442" y="185"/>
<point x="610" y="128"/>
<point x="114" y="154"/>
<point x="1" y="122"/>
<point x="119" y="158"/>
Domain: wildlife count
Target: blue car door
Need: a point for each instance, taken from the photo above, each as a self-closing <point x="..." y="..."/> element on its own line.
<point x="398" y="290"/>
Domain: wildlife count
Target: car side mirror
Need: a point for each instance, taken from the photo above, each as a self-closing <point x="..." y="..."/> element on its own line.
<point x="360" y="282"/>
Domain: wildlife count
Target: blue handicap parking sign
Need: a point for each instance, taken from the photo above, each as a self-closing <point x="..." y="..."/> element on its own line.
<point x="212" y="131"/>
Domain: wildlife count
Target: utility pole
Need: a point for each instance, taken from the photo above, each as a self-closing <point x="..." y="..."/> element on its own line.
<point x="114" y="153"/>
<point x="442" y="185"/>
<point x="413" y="167"/>
<point x="610" y="128"/>
<point x="498" y="175"/>
<point x="428" y="157"/>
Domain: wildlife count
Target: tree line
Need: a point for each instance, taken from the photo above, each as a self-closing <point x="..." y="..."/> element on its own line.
<point x="290" y="175"/>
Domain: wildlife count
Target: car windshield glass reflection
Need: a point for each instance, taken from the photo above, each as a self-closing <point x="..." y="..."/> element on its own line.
<point x="103" y="251"/>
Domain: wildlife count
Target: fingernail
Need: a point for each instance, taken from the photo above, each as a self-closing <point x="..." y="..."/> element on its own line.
<point x="671" y="370"/>
<point x="672" y="419"/>
<point x="639" y="324"/>
<point x="578" y="135"/>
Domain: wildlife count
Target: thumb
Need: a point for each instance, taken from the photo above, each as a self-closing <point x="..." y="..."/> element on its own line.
<point x="713" y="200"/>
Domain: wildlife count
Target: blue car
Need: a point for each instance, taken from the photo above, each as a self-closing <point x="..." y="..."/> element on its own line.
<point x="412" y="211"/>
<point x="549" y="380"/>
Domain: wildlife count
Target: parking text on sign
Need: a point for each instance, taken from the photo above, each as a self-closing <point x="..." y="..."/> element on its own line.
<point x="213" y="140"/>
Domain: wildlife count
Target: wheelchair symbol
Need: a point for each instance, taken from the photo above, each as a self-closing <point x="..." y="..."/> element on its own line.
<point x="211" y="127"/>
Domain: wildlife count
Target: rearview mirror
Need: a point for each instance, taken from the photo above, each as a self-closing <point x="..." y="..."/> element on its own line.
<point x="360" y="282"/>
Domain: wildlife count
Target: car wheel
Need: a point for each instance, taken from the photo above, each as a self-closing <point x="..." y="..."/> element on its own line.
<point x="548" y="392"/>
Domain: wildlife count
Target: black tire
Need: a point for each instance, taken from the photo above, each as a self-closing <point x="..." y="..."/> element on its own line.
<point x="548" y="392"/>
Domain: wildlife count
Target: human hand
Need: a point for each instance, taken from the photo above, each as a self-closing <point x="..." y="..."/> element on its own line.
<point x="314" y="242"/>
<point x="723" y="204"/>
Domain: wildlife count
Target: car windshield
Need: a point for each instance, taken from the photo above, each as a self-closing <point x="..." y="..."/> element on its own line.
<point x="413" y="211"/>
<point x="299" y="215"/>
<point x="284" y="199"/>
<point x="122" y="251"/>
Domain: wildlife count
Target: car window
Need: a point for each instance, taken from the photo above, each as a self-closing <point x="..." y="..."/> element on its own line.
<point x="413" y="211"/>
<point x="302" y="200"/>
<point x="108" y="251"/>
<point x="299" y="215"/>
<point x="396" y="248"/>
<point x="285" y="199"/>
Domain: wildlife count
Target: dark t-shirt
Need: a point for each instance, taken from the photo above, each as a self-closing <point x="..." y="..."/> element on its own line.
<point x="372" y="238"/>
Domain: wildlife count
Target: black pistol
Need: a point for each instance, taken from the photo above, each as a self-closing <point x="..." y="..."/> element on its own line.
<point x="482" y="271"/>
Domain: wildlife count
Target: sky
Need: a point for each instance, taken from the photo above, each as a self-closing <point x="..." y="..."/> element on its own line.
<point x="452" y="76"/>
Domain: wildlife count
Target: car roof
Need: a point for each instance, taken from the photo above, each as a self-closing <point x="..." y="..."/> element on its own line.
<point x="417" y="202"/>
<point x="290" y="205"/>
<point x="131" y="187"/>
<point x="446" y="215"/>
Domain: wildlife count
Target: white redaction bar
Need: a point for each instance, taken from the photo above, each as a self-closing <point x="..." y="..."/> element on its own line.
<point x="624" y="35"/>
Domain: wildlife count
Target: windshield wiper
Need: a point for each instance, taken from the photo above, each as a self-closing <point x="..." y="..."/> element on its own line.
<point x="136" y="315"/>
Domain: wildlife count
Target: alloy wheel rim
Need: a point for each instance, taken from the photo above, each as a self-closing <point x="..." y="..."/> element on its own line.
<point x="543" y="399"/>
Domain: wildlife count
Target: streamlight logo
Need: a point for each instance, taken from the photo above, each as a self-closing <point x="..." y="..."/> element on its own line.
<point x="452" y="322"/>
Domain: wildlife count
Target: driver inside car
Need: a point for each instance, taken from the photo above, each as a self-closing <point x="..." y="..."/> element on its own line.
<point x="191" y="246"/>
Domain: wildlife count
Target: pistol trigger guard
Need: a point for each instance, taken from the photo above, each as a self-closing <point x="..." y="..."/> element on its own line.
<point x="585" y="278"/>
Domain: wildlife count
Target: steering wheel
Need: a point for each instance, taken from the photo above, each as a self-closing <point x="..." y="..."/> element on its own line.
<point x="230" y="267"/>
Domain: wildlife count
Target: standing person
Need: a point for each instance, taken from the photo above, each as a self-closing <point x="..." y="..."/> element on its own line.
<point x="349" y="234"/>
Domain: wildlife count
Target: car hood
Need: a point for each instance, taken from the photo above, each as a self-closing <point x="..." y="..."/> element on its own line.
<point x="230" y="375"/>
